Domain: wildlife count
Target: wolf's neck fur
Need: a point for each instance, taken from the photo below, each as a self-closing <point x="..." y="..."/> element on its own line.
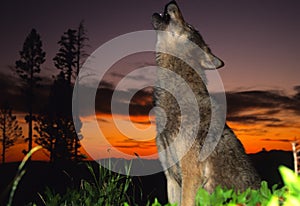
<point x="195" y="81"/>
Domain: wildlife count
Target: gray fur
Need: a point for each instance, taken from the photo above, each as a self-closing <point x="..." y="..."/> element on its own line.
<point x="227" y="165"/>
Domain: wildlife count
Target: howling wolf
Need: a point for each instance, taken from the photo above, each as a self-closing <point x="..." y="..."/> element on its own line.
<point x="227" y="165"/>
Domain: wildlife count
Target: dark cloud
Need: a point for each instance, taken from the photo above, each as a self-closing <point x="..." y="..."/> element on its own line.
<point x="246" y="100"/>
<point x="105" y="84"/>
<point x="282" y="125"/>
<point x="11" y="93"/>
<point x="126" y="146"/>
<point x="130" y="143"/>
<point x="276" y="140"/>
<point x="102" y="120"/>
<point x="253" y="131"/>
<point x="251" y="119"/>
<point x="142" y="102"/>
<point x="143" y="122"/>
<point x="118" y="75"/>
<point x="297" y="89"/>
<point x="140" y="77"/>
<point x="269" y="103"/>
<point x="264" y="106"/>
<point x="296" y="101"/>
<point x="139" y="105"/>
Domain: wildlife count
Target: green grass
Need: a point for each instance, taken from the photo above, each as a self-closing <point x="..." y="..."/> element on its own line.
<point x="108" y="188"/>
<point x="105" y="189"/>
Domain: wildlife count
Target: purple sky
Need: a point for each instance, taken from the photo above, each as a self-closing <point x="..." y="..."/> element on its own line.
<point x="258" y="40"/>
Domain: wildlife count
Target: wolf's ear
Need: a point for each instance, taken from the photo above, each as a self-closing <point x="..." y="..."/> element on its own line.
<point x="211" y="62"/>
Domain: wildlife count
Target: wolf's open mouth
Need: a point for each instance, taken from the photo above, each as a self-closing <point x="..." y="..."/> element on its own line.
<point x="162" y="17"/>
<point x="160" y="20"/>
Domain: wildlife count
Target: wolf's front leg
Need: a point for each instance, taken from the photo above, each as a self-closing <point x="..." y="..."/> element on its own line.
<point x="174" y="190"/>
<point x="192" y="179"/>
<point x="189" y="190"/>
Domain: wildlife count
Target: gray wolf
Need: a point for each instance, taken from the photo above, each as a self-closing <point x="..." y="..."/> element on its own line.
<point x="227" y="165"/>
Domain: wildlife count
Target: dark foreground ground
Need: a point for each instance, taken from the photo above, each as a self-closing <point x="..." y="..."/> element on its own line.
<point x="58" y="177"/>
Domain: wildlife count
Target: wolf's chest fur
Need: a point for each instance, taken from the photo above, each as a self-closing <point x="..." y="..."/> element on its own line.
<point x="182" y="83"/>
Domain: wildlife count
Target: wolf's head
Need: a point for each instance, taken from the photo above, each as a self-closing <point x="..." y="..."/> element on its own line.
<point x="172" y="21"/>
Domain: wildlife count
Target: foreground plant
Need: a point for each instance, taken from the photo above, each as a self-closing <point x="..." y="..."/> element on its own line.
<point x="106" y="188"/>
<point x="109" y="188"/>
<point x="20" y="173"/>
<point x="250" y="197"/>
<point x="289" y="195"/>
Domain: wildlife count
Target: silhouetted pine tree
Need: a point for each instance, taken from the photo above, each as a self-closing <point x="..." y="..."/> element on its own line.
<point x="71" y="54"/>
<point x="28" y="67"/>
<point x="10" y="130"/>
<point x="65" y="59"/>
<point x="80" y="57"/>
<point x="80" y="45"/>
<point x="55" y="127"/>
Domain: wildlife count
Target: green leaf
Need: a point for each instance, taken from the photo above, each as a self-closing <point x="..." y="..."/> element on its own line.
<point x="265" y="191"/>
<point x="291" y="201"/>
<point x="202" y="198"/>
<point x="273" y="201"/>
<point x="227" y="194"/>
<point x="290" y="179"/>
<point x="156" y="203"/>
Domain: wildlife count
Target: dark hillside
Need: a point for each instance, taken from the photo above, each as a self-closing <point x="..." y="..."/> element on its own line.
<point x="59" y="177"/>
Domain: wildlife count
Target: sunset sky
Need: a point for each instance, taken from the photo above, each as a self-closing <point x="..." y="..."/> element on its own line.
<point x="257" y="40"/>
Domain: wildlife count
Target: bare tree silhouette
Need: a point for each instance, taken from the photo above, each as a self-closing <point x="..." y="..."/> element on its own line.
<point x="10" y="130"/>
